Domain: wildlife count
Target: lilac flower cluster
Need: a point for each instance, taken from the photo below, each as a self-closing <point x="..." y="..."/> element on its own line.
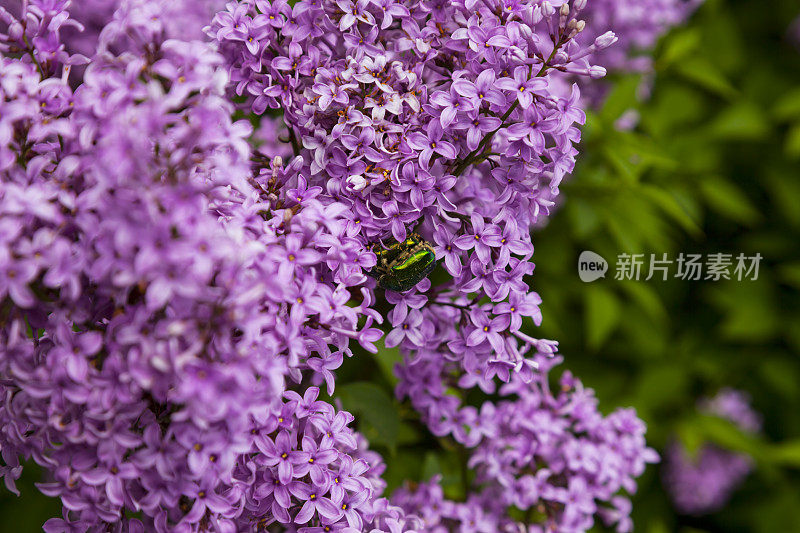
<point x="312" y="471"/>
<point x="177" y="19"/>
<point x="35" y="27"/>
<point x="703" y="483"/>
<point x="176" y="285"/>
<point x="432" y="118"/>
<point x="552" y="455"/>
<point x="159" y="285"/>
<point x="448" y="120"/>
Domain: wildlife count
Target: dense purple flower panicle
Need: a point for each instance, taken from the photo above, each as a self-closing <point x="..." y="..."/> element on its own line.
<point x="551" y="454"/>
<point x="34" y="29"/>
<point x="703" y="482"/>
<point x="177" y="19"/>
<point x="176" y="285"/>
<point x="161" y="288"/>
<point x="447" y="120"/>
<point x="430" y="118"/>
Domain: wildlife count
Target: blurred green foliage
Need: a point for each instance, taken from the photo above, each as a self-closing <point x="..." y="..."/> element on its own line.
<point x="712" y="166"/>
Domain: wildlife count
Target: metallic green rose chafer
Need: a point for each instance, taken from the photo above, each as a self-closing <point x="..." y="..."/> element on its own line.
<point x="403" y="264"/>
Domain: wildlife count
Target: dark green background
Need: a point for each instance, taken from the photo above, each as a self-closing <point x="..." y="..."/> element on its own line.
<point x="713" y="166"/>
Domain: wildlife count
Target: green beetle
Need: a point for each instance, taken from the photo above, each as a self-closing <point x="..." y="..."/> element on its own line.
<point x="403" y="264"/>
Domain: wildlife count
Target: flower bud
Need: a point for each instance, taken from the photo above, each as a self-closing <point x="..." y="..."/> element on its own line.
<point x="597" y="72"/>
<point x="605" y="40"/>
<point x="560" y="58"/>
<point x="15" y="31"/>
<point x="357" y="183"/>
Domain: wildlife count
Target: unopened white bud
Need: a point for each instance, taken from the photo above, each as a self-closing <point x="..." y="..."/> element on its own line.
<point x="277" y="161"/>
<point x="357" y="182"/>
<point x="597" y="72"/>
<point x="560" y="58"/>
<point x="564" y="10"/>
<point x="547" y="9"/>
<point x="579" y="5"/>
<point x="605" y="40"/>
<point x="15" y="31"/>
<point x="580" y="25"/>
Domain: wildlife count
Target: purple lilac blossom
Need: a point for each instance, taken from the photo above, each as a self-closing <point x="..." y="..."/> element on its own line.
<point x="702" y="483"/>
<point x="434" y="118"/>
<point x="178" y="19"/>
<point x="162" y="287"/>
<point x="176" y="285"/>
<point x="550" y="454"/>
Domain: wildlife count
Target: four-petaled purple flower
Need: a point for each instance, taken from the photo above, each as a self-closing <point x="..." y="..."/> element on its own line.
<point x="314" y="503"/>
<point x="483" y="238"/>
<point x="451" y="103"/>
<point x="431" y="142"/>
<point x="522" y="85"/>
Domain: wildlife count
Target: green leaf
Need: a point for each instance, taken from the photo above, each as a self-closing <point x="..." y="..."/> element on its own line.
<point x="623" y="165"/>
<point x="621" y="98"/>
<point x="657" y="527"/>
<point x="583" y="216"/>
<point x="679" y="46"/>
<point x="785" y="194"/>
<point x="780" y="375"/>
<point x="792" y="144"/>
<point x="670" y="206"/>
<point x="727" y="200"/>
<point x="387" y="358"/>
<point x="727" y="435"/>
<point x="703" y="73"/>
<point x="741" y="122"/>
<point x="408" y="434"/>
<point x="602" y="314"/>
<point x="789" y="273"/>
<point x="376" y="412"/>
<point x="691" y="437"/>
<point x="787" y="453"/>
<point x="430" y="466"/>
<point x="788" y="106"/>
<point x="450" y="467"/>
<point x="750" y="308"/>
<point x="648" y="299"/>
<point x="661" y="386"/>
<point x="650" y="153"/>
